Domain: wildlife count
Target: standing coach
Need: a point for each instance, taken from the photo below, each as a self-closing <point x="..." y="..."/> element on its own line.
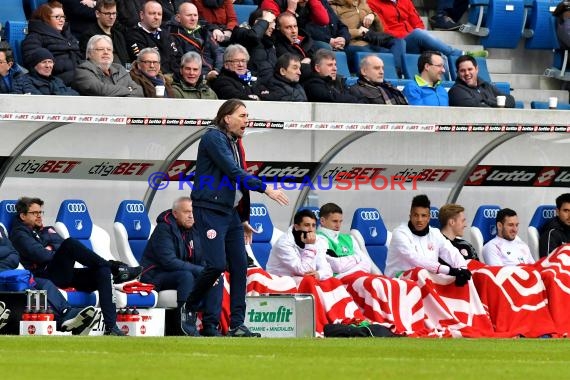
<point x="221" y="210"/>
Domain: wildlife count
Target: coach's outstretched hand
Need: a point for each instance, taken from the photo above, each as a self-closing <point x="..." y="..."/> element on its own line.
<point x="277" y="195"/>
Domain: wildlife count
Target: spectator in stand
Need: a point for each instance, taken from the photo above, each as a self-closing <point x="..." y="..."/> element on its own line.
<point x="9" y="69"/>
<point x="401" y="20"/>
<point x="174" y="261"/>
<point x="448" y="12"/>
<point x="290" y="39"/>
<point x="367" y="32"/>
<point x="99" y="76"/>
<point x="452" y="221"/>
<point x="562" y="14"/>
<point x="426" y="89"/>
<point x="304" y="11"/>
<point x="146" y="72"/>
<point x="324" y="85"/>
<point x="47" y="29"/>
<point x="556" y="232"/>
<point x="333" y="36"/>
<point x="284" y="85"/>
<point x="471" y="91"/>
<point x="256" y="38"/>
<point x="507" y="248"/>
<point x="149" y="34"/>
<point x="106" y="15"/>
<point x="371" y="86"/>
<point x="189" y="83"/>
<point x="79" y="13"/>
<point x="39" y="80"/>
<point x="235" y="80"/>
<point x="189" y="35"/>
<point x="221" y="18"/>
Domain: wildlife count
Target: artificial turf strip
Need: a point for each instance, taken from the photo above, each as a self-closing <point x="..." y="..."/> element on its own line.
<point x="270" y="359"/>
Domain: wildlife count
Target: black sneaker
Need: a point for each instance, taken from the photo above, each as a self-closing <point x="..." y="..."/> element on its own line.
<point x="243" y="332"/>
<point x="188" y="322"/>
<point x="77" y="321"/>
<point x="125" y="273"/>
<point x="443" y="22"/>
<point x="114" y="331"/>
<point x="4" y="315"/>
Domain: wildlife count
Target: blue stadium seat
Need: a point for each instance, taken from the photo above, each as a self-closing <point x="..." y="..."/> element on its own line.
<point x="342" y="68"/>
<point x="519" y="104"/>
<point x="371" y="233"/>
<point x="542" y="215"/>
<point x="265" y="233"/>
<point x="388" y="59"/>
<point x="544" y="105"/>
<point x="15" y="33"/>
<point x="434" y="217"/>
<point x="7" y="214"/>
<point x="499" y="23"/>
<point x="411" y="67"/>
<point x="541" y="32"/>
<point x="31" y="5"/>
<point x="243" y="11"/>
<point x="132" y="228"/>
<point x="12" y="10"/>
<point x="484" y="227"/>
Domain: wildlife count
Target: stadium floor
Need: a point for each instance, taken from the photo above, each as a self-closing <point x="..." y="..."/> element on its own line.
<point x="224" y="358"/>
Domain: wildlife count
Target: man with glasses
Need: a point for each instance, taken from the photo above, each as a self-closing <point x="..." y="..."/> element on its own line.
<point x="426" y="88"/>
<point x="99" y="76"/>
<point x="106" y="15"/>
<point x="48" y="255"/>
<point x="149" y="34"/>
<point x="235" y="80"/>
<point x="146" y="72"/>
<point x="9" y="69"/>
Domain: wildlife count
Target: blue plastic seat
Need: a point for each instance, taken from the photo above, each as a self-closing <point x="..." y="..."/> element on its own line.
<point x="371" y="233"/>
<point x="7" y="214"/>
<point x="542" y="215"/>
<point x="132" y="228"/>
<point x="15" y="33"/>
<point x="265" y="234"/>
<point x="544" y="105"/>
<point x="12" y="10"/>
<point x="484" y="226"/>
<point x="434" y="217"/>
<point x="541" y="30"/>
<point x="243" y="11"/>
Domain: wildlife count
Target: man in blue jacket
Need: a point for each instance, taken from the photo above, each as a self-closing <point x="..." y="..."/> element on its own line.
<point x="47" y="255"/>
<point x="220" y="197"/>
<point x="426" y="88"/>
<point x="172" y="260"/>
<point x="76" y="320"/>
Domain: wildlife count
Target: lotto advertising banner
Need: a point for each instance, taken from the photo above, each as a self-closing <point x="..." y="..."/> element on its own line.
<point x="519" y="176"/>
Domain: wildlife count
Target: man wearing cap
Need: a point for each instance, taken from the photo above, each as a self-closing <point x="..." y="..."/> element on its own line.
<point x="39" y="80"/>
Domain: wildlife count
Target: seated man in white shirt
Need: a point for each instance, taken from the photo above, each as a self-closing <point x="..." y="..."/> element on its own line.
<point x="507" y="248"/>
<point x="298" y="253"/>
<point x="416" y="244"/>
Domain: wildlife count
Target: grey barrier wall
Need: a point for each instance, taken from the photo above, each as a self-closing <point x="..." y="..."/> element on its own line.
<point x="104" y="150"/>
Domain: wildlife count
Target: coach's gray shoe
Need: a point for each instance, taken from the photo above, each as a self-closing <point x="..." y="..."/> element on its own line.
<point x="243" y="332"/>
